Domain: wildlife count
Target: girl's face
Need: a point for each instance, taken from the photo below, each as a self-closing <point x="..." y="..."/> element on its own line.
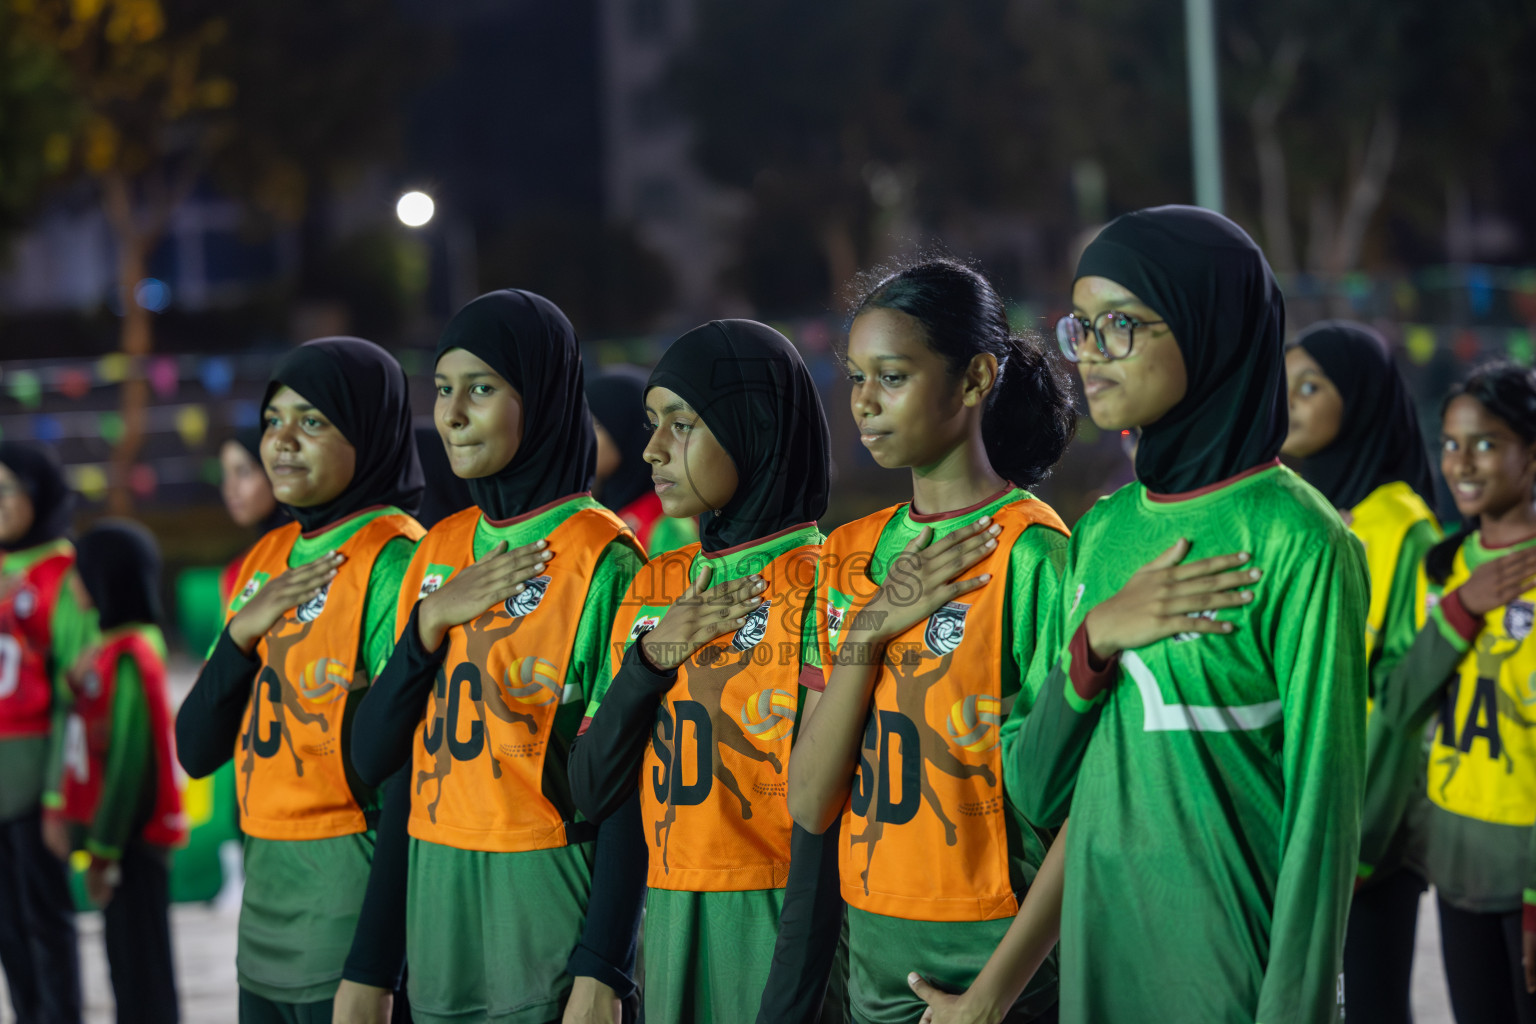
<point x="16" y="511"/>
<point x="910" y="410"/>
<point x="307" y="459"/>
<point x="1489" y="468"/>
<point x="478" y="414"/>
<point x="1317" y="408"/>
<point x="1138" y="390"/>
<point x="691" y="471"/>
<point x="608" y="457"/>
<point x="245" y="488"/>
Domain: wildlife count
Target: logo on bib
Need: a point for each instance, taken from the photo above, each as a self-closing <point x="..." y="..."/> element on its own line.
<point x="769" y="715"/>
<point x="1518" y="617"/>
<point x="533" y="592"/>
<point x="26" y="603"/>
<point x="946" y="628"/>
<point x="753" y="630"/>
<point x="535" y="681"/>
<point x="973" y="722"/>
<point x="643" y="624"/>
<point x="250" y="589"/>
<point x="310" y="610"/>
<point x="834" y="618"/>
<point x="436" y="575"/>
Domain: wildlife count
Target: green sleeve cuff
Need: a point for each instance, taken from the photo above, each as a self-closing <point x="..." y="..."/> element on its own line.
<point x="101" y="851"/>
<point x="1451" y="634"/>
<point x="1077" y="703"/>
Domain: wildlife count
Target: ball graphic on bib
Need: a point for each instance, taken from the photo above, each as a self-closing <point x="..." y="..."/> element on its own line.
<point x="535" y="681"/>
<point x="973" y="722"/>
<point x="769" y="714"/>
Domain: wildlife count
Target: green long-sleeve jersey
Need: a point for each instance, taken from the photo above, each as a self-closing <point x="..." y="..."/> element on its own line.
<point x="1214" y="784"/>
<point x="302" y="897"/>
<point x="1397" y="529"/>
<point x="31" y="766"/>
<point x="128" y="783"/>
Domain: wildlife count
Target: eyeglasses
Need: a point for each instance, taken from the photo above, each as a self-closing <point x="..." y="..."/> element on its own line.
<point x="1114" y="333"/>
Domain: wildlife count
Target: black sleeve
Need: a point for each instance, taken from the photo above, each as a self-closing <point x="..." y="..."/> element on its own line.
<point x="605" y="759"/>
<point x="611" y="933"/>
<point x="208" y="724"/>
<point x="809" y="927"/>
<point x="378" y="946"/>
<point x="392" y="708"/>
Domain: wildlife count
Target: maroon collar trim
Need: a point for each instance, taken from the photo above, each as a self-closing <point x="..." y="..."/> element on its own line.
<point x="1169" y="499"/>
<point x="328" y="527"/>
<point x="756" y="542"/>
<point x="503" y="523"/>
<point x="935" y="517"/>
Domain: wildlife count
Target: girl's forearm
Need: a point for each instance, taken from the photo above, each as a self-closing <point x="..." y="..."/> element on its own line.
<point x="821" y="764"/>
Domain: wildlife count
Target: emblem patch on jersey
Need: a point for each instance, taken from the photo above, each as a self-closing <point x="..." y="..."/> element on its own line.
<point x="946" y="628"/>
<point x="249" y="592"/>
<point x="26" y="602"/>
<point x="310" y="610"/>
<point x="435" y="577"/>
<point x="1518" y="618"/>
<point x="834" y="618"/>
<point x="643" y="624"/>
<point x="521" y="604"/>
<point x="1077" y="598"/>
<point x="90" y="684"/>
<point x="753" y="630"/>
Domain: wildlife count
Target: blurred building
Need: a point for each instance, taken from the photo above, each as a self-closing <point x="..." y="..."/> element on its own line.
<point x="650" y="179"/>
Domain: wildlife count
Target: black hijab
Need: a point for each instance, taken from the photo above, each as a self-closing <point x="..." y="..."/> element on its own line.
<point x="527" y="340"/>
<point x="1206" y="277"/>
<point x="42" y="477"/>
<point x="617" y="399"/>
<point x="1379" y="438"/>
<point x="249" y="438"/>
<point x="361" y="389"/>
<point x="753" y="391"/>
<point x="445" y="493"/>
<point x="119" y="563"/>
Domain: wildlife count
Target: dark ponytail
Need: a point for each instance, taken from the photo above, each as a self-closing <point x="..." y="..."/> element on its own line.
<point x="1029" y="419"/>
<point x="1508" y="391"/>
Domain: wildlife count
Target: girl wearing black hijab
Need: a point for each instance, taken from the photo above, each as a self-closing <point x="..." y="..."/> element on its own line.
<point x="719" y="663"/>
<point x="43" y="628"/>
<point x="518" y="909"/>
<point x="1204" y="722"/>
<point x="310" y="626"/>
<point x="247" y="495"/>
<point x="120" y="790"/>
<point x="1355" y="434"/>
<point x="617" y="399"/>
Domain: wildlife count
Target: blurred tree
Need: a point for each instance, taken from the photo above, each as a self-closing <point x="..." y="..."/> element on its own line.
<point x="838" y="114"/>
<point x="850" y="117"/>
<point x="265" y="99"/>
<point x="35" y="103"/>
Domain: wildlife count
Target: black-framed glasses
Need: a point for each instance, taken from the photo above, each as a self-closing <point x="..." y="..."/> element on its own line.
<point x="1114" y="333"/>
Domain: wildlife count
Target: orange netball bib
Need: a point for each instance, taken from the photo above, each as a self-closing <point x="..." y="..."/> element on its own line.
<point x="485" y="761"/>
<point x="714" y="786"/>
<point x="928" y="788"/>
<point x="290" y="764"/>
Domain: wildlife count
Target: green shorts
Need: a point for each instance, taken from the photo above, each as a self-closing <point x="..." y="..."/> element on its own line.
<point x="488" y="934"/>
